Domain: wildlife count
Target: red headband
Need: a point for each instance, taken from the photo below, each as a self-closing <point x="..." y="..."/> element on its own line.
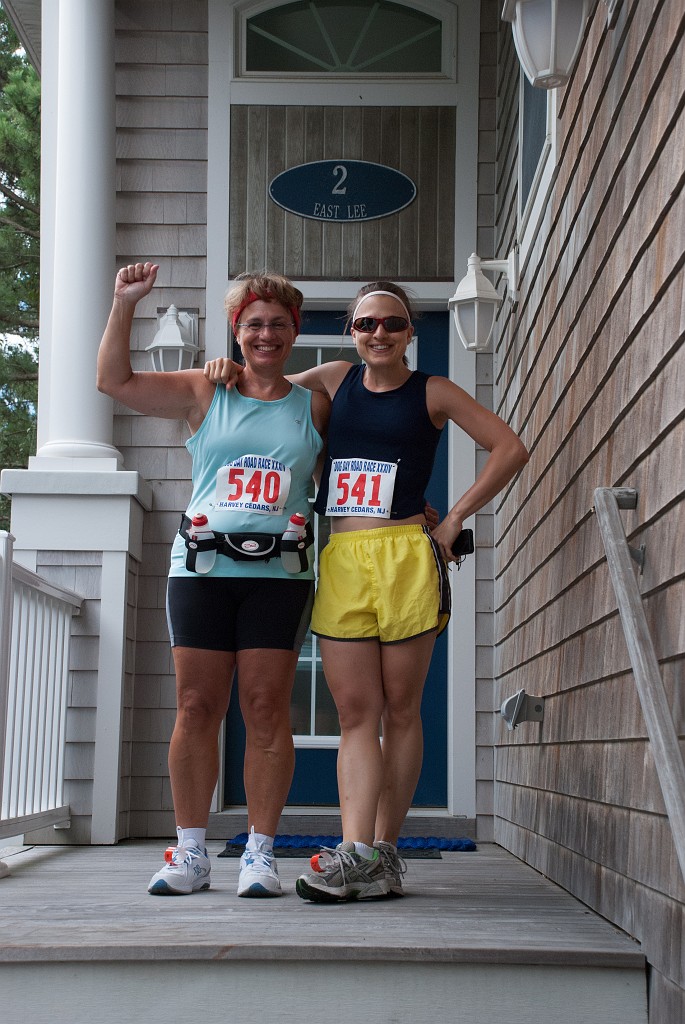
<point x="294" y="311"/>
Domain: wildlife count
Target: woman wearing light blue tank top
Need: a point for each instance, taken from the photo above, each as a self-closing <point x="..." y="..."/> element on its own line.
<point x="233" y="603"/>
<point x="258" y="440"/>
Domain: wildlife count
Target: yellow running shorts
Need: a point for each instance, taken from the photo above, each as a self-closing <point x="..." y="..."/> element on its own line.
<point x="388" y="584"/>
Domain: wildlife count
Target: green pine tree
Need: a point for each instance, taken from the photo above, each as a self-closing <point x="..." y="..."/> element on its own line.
<point x="19" y="252"/>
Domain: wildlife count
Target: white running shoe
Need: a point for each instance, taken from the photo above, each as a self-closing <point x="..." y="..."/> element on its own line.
<point x="258" y="870"/>
<point x="187" y="870"/>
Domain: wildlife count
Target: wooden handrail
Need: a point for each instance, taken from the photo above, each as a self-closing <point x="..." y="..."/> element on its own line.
<point x="662" y="734"/>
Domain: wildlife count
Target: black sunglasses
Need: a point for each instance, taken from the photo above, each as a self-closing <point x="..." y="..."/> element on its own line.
<point x="392" y="324"/>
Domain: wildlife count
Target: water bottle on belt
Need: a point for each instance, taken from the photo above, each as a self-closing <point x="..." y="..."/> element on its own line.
<point x="294" y="544"/>
<point x="200" y="530"/>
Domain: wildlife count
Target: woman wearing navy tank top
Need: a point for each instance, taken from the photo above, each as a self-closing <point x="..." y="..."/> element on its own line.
<point x="383" y="596"/>
<point x="231" y="601"/>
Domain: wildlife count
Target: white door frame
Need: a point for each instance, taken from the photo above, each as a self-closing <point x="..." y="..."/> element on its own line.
<point x="225" y="89"/>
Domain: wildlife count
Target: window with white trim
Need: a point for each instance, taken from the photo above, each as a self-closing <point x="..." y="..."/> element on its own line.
<point x="352" y="38"/>
<point x="537" y="157"/>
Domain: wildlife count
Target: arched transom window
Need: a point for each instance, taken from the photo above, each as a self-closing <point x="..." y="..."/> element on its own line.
<point x="344" y="37"/>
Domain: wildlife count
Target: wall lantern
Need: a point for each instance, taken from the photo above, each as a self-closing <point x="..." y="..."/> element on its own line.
<point x="175" y="344"/>
<point x="521" y="707"/>
<point x="547" y="37"/>
<point x="475" y="302"/>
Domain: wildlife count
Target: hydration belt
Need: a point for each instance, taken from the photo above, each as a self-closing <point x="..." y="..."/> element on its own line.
<point x="243" y="547"/>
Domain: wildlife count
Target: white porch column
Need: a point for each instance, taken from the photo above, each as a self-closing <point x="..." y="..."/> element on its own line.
<point x="79" y="419"/>
<point x="75" y="503"/>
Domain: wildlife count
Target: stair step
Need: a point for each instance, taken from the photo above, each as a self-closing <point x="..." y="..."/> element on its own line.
<point x="479" y="935"/>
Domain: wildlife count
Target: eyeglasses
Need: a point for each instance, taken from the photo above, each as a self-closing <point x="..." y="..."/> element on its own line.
<point x="392" y="324"/>
<point x="255" y="326"/>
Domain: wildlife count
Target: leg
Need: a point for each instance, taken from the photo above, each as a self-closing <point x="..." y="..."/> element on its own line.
<point x="353" y="673"/>
<point x="265" y="679"/>
<point x="203" y="685"/>
<point x="404" y="667"/>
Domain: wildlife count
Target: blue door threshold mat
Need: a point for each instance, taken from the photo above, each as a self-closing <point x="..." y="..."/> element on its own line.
<point x="409" y="847"/>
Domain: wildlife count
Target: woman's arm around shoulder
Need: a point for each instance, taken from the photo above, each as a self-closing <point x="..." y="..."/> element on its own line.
<point x="446" y="401"/>
<point x="325" y="379"/>
<point x="184" y="394"/>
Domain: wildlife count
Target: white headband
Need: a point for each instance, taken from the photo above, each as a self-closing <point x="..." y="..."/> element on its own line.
<point x="368" y="296"/>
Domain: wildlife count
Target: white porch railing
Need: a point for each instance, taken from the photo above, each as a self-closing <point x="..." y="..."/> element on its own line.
<point x="35" y="637"/>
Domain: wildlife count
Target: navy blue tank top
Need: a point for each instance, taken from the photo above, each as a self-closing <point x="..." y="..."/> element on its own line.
<point x="389" y="426"/>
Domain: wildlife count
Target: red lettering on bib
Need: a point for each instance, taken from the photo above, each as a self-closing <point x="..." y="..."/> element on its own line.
<point x="252" y="483"/>
<point x="361" y="487"/>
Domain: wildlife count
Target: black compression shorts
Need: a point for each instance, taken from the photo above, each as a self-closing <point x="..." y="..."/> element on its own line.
<point x="222" y="613"/>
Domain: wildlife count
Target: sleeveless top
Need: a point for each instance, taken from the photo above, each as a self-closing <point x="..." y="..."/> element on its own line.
<point x="369" y="431"/>
<point x="252" y="468"/>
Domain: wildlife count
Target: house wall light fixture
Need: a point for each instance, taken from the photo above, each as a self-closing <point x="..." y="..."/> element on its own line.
<point x="547" y="36"/>
<point x="521" y="707"/>
<point x="174" y="346"/>
<point x="476" y="300"/>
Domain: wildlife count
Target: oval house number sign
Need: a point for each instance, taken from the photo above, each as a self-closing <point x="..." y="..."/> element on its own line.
<point x="342" y="191"/>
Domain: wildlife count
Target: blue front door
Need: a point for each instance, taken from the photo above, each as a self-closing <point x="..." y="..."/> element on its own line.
<point x="315" y="725"/>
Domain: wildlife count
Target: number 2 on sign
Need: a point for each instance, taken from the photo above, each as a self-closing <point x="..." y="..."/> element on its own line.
<point x="358" y="489"/>
<point x="266" y="489"/>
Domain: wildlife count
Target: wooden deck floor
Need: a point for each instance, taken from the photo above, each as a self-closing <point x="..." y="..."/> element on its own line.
<point x="90" y="903"/>
<point x="480" y="937"/>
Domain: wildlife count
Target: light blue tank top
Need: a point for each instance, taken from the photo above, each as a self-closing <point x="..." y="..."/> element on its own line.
<point x="258" y="449"/>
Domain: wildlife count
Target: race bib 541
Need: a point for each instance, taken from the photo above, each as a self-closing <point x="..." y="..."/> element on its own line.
<point x="252" y="483"/>
<point x="361" y="487"/>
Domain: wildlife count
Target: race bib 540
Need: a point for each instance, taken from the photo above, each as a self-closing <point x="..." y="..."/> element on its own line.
<point x="252" y="483"/>
<point x="361" y="487"/>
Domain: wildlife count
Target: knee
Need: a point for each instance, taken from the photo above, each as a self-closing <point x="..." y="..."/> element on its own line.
<point x="197" y="712"/>
<point x="401" y="716"/>
<point x="355" y="713"/>
<point x="265" y="713"/>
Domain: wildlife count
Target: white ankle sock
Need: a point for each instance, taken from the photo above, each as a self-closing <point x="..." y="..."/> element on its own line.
<point x="256" y="839"/>
<point x="364" y="851"/>
<point x="191" y="835"/>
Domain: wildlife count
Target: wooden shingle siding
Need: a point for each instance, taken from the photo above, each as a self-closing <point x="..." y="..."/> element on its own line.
<point x="128" y="710"/>
<point x="484" y="521"/>
<point x="161" y="149"/>
<point x="150" y="20"/>
<point x="590" y="370"/>
<point x="416" y="243"/>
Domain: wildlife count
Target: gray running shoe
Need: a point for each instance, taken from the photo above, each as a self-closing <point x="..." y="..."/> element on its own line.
<point x="341" y="875"/>
<point x="394" y="866"/>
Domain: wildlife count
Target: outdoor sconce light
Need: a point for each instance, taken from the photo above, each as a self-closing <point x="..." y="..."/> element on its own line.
<point x="547" y="36"/>
<point x="521" y="707"/>
<point x="475" y="302"/>
<point x="175" y="344"/>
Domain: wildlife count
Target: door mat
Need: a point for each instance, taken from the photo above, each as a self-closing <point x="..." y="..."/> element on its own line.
<point x="410" y="847"/>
